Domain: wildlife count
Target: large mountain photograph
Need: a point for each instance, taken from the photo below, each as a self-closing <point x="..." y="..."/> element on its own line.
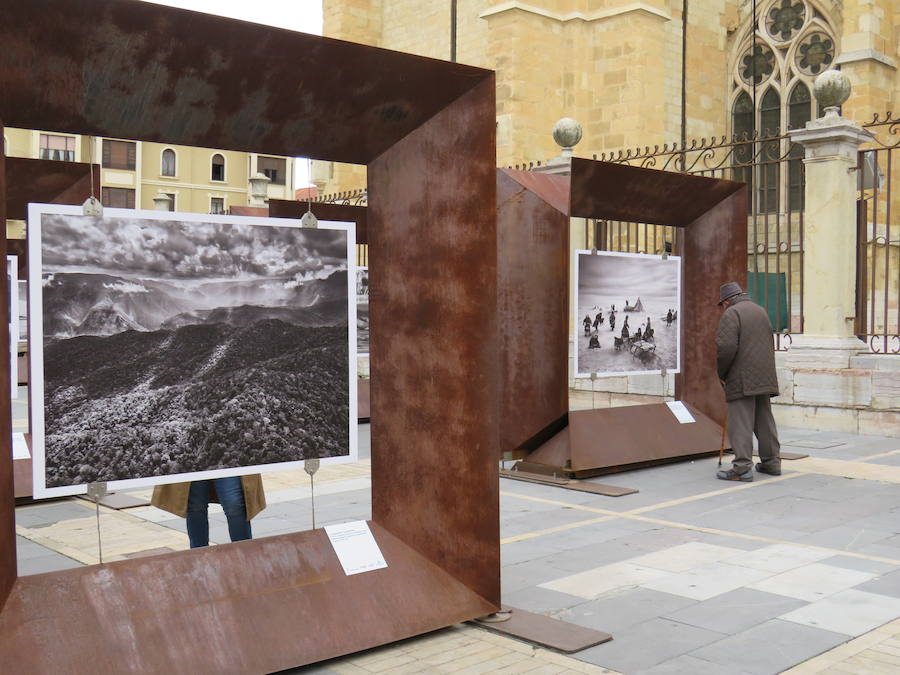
<point x="173" y="347"/>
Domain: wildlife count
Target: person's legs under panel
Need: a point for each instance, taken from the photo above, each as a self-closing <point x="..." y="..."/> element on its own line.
<point x="767" y="434"/>
<point x="231" y="497"/>
<point x="197" y="517"/>
<point x="740" y="433"/>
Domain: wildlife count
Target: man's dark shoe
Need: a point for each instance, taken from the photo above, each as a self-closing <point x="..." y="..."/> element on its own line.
<point x="731" y="475"/>
<point x="762" y="468"/>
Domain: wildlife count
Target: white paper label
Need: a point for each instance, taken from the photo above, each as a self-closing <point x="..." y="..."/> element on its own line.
<point x="682" y="414"/>
<point x="355" y="547"/>
<point x="20" y="447"/>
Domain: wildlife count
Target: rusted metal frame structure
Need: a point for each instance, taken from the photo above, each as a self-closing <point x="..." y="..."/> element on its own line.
<point x="52" y="182"/>
<point x="772" y="166"/>
<point x="878" y="239"/>
<point x="425" y="129"/>
<point x="533" y="212"/>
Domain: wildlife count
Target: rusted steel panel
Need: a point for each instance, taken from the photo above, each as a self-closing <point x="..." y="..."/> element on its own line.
<point x="253" y="607"/>
<point x="287" y="208"/>
<point x="7" y="504"/>
<point x="553" y="189"/>
<point x="715" y="251"/>
<point x="433" y="327"/>
<point x="640" y="195"/>
<point x="137" y="70"/>
<point x="47" y="182"/>
<point x="533" y="305"/>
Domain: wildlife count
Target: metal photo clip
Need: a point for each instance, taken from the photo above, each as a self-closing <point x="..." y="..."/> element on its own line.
<point x="92" y="207"/>
<point x="309" y="220"/>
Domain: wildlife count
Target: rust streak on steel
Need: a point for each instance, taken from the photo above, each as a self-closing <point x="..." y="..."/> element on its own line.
<point x="715" y="251"/>
<point x="641" y="195"/>
<point x="7" y="505"/>
<point x="159" y="74"/>
<point x="533" y="306"/>
<point x="433" y="302"/>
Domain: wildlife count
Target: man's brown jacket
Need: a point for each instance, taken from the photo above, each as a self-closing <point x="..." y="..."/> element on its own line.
<point x="745" y="355"/>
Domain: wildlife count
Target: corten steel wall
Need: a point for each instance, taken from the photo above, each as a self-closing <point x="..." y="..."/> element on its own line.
<point x="7" y="503"/>
<point x="47" y="181"/>
<point x="714" y="248"/>
<point x="287" y="208"/>
<point x="140" y="71"/>
<point x="433" y="281"/>
<point x="533" y="305"/>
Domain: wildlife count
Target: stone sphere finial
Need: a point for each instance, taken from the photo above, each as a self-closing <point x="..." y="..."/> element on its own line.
<point x="567" y="132"/>
<point x="831" y="89"/>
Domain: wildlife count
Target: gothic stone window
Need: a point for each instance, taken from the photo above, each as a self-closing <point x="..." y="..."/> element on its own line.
<point x="772" y="81"/>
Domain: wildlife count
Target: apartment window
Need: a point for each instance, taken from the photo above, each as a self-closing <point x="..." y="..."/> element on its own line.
<point x="119" y="154"/>
<point x="218" y="167"/>
<point x="275" y="168"/>
<point x="118" y="198"/>
<point x="60" y="148"/>
<point x="168" y="162"/>
<point x="217" y="205"/>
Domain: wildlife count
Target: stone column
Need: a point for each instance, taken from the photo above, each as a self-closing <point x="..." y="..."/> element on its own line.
<point x="829" y="255"/>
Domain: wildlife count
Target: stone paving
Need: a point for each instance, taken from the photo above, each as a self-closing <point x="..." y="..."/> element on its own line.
<point x="690" y="575"/>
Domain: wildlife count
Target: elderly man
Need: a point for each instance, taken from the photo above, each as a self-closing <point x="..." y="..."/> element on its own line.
<point x="745" y="360"/>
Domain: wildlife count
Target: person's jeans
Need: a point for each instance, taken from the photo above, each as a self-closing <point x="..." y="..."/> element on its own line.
<point x="231" y="497"/>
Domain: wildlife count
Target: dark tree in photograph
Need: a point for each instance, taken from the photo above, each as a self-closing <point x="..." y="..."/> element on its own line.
<point x="180" y="346"/>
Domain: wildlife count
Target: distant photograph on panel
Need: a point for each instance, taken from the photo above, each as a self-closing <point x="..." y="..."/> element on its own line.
<point x="628" y="313"/>
<point x="169" y="347"/>
<point x="362" y="311"/>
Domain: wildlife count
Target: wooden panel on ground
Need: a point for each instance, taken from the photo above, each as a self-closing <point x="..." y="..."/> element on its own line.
<point x="565" y="483"/>
<point x="546" y="631"/>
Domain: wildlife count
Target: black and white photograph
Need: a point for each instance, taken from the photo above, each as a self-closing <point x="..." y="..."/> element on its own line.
<point x="628" y="308"/>
<point x="172" y="346"/>
<point x="362" y="311"/>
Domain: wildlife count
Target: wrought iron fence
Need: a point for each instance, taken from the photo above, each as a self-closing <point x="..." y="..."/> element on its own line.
<point x="878" y="238"/>
<point x="772" y="167"/>
<point x="358" y="197"/>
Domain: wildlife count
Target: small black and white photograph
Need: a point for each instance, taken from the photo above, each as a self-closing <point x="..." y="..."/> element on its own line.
<point x="362" y="311"/>
<point x="627" y="320"/>
<point x="170" y="347"/>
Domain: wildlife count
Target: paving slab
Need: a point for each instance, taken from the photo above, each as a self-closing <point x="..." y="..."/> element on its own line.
<point x="707" y="581"/>
<point x="595" y="582"/>
<point x="50" y="562"/>
<point x="735" y="611"/>
<point x="48" y="514"/>
<point x="686" y="664"/>
<point x="862" y="565"/>
<point x="619" y="610"/>
<point x="648" y="644"/>
<point x="812" y="582"/>
<point x="777" y="558"/>
<point x="884" y="584"/>
<point x="540" y="600"/>
<point x="850" y="612"/>
<point x="687" y="556"/>
<point x="769" y="647"/>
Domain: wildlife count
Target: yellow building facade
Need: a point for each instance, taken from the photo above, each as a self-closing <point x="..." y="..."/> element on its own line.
<point x="133" y="173"/>
<point x="616" y="65"/>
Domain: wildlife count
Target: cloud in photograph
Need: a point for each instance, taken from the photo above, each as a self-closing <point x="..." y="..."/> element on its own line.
<point x="172" y="249"/>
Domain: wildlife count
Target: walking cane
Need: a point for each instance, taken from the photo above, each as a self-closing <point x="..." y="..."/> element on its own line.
<point x="724" y="429"/>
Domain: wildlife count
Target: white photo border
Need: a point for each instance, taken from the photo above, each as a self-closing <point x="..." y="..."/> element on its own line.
<point x="642" y="256"/>
<point x="36" y="347"/>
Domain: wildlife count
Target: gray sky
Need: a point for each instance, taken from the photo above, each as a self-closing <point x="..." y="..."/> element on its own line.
<point x="299" y="15"/>
<point x="139" y="247"/>
<point x="629" y="277"/>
